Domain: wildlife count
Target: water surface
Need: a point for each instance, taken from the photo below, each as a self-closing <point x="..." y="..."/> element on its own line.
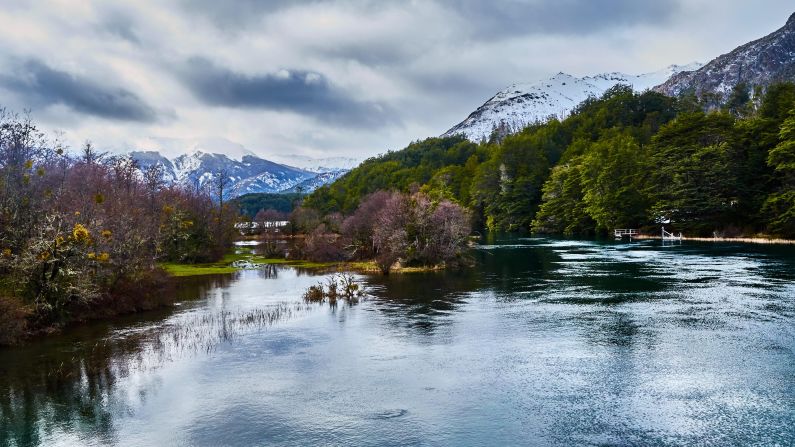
<point x="544" y="342"/>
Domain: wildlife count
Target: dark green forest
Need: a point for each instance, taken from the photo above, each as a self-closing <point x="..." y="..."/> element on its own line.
<point x="625" y="160"/>
<point x="250" y="204"/>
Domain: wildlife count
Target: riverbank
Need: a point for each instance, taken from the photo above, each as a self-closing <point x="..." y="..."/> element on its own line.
<point x="246" y="260"/>
<point x="234" y="263"/>
<point x="744" y="240"/>
<point x="145" y="291"/>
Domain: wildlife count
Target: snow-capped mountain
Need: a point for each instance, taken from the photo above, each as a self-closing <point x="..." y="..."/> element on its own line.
<point x="758" y="63"/>
<point x="326" y="164"/>
<point x="323" y="178"/>
<point x="523" y="104"/>
<point x="249" y="174"/>
<point x="174" y="147"/>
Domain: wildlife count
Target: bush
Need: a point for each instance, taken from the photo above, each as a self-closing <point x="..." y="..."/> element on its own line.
<point x="391" y="226"/>
<point x="341" y="286"/>
<point x="323" y="246"/>
<point x="143" y="291"/>
<point x="13" y="321"/>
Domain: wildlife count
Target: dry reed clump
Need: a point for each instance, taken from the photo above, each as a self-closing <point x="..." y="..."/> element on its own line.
<point x="340" y="286"/>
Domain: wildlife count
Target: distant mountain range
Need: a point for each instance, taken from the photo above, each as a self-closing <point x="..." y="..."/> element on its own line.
<point x="248" y="173"/>
<point x="758" y="63"/>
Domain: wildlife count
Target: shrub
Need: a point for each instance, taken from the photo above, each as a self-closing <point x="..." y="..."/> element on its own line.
<point x="323" y="246"/>
<point x="13" y="321"/>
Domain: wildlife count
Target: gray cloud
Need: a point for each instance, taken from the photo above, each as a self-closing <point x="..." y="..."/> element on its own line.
<point x="561" y="17"/>
<point x="43" y="86"/>
<point x="485" y="19"/>
<point x="298" y="91"/>
<point x="233" y="15"/>
<point x="382" y="72"/>
<point x="122" y="26"/>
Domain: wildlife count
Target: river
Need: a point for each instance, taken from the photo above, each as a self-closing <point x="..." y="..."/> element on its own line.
<point x="543" y="342"/>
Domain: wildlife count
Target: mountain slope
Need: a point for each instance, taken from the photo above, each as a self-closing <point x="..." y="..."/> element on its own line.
<point x="319" y="165"/>
<point x="758" y="63"/>
<point x="249" y="174"/>
<point x="523" y="104"/>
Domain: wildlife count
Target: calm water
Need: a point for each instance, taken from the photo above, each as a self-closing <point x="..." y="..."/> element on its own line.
<point x="544" y="342"/>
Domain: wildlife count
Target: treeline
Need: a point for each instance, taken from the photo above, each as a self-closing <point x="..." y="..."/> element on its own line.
<point x="625" y="160"/>
<point x="250" y="204"/>
<point x="81" y="236"/>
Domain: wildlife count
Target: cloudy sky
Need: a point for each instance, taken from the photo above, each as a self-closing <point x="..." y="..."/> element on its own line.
<point x="328" y="77"/>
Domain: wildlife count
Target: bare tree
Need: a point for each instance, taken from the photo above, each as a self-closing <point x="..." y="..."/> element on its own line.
<point x="89" y="154"/>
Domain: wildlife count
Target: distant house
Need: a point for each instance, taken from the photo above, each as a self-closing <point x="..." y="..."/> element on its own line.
<point x="268" y="226"/>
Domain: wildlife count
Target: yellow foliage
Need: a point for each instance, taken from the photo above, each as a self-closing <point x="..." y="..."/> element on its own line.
<point x="81" y="234"/>
<point x="91" y="255"/>
<point x="99" y="198"/>
<point x="168" y="209"/>
<point x="6" y="252"/>
<point x="106" y="234"/>
<point x="28" y="164"/>
<point x="45" y="255"/>
<point x="103" y="257"/>
<point x="59" y="240"/>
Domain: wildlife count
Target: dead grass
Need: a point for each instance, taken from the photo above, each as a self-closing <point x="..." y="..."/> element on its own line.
<point x="746" y="240"/>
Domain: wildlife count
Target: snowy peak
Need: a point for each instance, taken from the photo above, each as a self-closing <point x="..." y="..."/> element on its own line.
<point x="248" y="174"/>
<point x="759" y="63"/>
<point x="522" y="104"/>
<point x="175" y="147"/>
<point x="220" y="146"/>
<point x="319" y="165"/>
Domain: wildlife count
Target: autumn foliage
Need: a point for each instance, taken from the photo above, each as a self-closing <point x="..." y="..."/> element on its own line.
<point x="76" y="231"/>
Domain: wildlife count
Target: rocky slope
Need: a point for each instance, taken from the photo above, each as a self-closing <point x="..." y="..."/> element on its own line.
<point x="758" y="63"/>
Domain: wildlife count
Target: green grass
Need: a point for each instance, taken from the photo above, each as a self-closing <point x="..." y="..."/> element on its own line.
<point x="225" y="266"/>
<point x="197" y="269"/>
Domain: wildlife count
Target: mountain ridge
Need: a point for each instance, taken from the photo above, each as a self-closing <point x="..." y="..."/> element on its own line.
<point x="249" y="174"/>
<point x="758" y="63"/>
<point x="522" y="104"/>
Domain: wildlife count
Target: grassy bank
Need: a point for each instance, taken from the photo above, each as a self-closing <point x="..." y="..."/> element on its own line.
<point x="235" y="262"/>
<point x="245" y="260"/>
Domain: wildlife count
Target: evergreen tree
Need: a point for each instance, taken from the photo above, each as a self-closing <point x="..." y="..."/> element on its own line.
<point x="780" y="206"/>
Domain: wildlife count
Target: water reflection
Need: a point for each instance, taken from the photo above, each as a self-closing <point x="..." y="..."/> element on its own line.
<point x="70" y="381"/>
<point x="421" y="302"/>
<point x="551" y="342"/>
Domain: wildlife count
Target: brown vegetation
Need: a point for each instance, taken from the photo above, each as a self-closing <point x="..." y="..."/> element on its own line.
<point x="340" y="286"/>
<point x="82" y="235"/>
<point x="387" y="227"/>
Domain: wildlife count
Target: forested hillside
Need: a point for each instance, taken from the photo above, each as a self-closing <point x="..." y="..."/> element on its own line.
<point x="250" y="204"/>
<point x="623" y="160"/>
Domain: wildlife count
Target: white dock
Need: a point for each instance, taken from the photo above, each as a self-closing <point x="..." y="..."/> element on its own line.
<point x="666" y="236"/>
<point x="620" y="233"/>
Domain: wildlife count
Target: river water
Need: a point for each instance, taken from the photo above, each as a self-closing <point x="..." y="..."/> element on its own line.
<point x="543" y="342"/>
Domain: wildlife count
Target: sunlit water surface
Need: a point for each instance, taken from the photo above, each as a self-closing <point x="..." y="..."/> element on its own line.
<point x="543" y="342"/>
